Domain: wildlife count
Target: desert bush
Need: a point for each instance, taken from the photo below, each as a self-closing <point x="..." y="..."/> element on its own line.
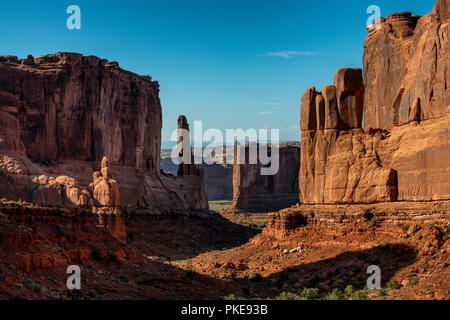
<point x="359" y="295"/>
<point x="382" y="292"/>
<point x="288" y="296"/>
<point x="336" y="294"/>
<point x="232" y="297"/>
<point x="392" y="284"/>
<point x="310" y="293"/>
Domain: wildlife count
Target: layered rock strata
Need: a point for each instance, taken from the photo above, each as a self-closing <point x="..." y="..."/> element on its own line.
<point x="403" y="152"/>
<point x="263" y="193"/>
<point x="60" y="114"/>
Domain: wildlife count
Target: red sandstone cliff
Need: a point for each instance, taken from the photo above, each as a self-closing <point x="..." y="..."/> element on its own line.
<point x="263" y="193"/>
<point x="406" y="68"/>
<point x="404" y="151"/>
<point x="61" y="114"/>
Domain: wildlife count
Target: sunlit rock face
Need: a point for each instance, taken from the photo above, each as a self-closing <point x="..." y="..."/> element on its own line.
<point x="60" y="114"/>
<point x="403" y="151"/>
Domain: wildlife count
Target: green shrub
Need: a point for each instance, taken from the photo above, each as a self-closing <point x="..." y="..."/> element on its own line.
<point x="392" y="284"/>
<point x="359" y="295"/>
<point x="349" y="291"/>
<point x="310" y="293"/>
<point x="288" y="296"/>
<point x="232" y="297"/>
<point x="336" y="294"/>
<point x="382" y="292"/>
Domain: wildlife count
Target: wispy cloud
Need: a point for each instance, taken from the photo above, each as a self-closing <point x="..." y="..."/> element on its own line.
<point x="246" y="101"/>
<point x="289" y="53"/>
<point x="265" y="113"/>
<point x="259" y="103"/>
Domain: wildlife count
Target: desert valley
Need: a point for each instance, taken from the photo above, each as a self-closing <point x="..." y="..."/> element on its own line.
<point x="84" y="181"/>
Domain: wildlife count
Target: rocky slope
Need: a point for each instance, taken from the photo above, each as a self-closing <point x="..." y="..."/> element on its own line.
<point x="61" y="114"/>
<point x="129" y="257"/>
<point x="320" y="254"/>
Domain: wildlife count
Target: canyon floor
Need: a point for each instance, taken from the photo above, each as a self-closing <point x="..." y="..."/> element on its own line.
<point x="220" y="256"/>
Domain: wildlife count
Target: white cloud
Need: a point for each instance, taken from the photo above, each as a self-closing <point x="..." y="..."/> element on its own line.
<point x="289" y="53"/>
<point x="265" y="113"/>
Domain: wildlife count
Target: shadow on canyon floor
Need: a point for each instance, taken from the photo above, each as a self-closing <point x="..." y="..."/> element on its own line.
<point x="348" y="268"/>
<point x="179" y="238"/>
<point x="35" y="251"/>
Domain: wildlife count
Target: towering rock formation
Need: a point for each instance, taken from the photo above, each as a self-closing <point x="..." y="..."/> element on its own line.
<point x="406" y="65"/>
<point x="191" y="176"/>
<point x="60" y="114"/>
<point x="404" y="151"/>
<point x="263" y="193"/>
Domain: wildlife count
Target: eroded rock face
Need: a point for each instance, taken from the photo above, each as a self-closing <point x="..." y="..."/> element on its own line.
<point x="406" y="64"/>
<point x="403" y="153"/>
<point x="263" y="193"/>
<point x="60" y="114"/>
<point x="339" y="162"/>
<point x="72" y="107"/>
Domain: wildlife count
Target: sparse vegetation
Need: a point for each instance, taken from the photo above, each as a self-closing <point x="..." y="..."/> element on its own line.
<point x="310" y="293"/>
<point x="382" y="292"/>
<point x="360" y="295"/>
<point x="219" y="205"/>
<point x="232" y="297"/>
<point x="352" y="294"/>
<point x="336" y="294"/>
<point x="392" y="284"/>
<point x="289" y="296"/>
<point x="405" y="228"/>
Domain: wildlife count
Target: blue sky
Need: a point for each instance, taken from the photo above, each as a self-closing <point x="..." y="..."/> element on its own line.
<point x="232" y="64"/>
